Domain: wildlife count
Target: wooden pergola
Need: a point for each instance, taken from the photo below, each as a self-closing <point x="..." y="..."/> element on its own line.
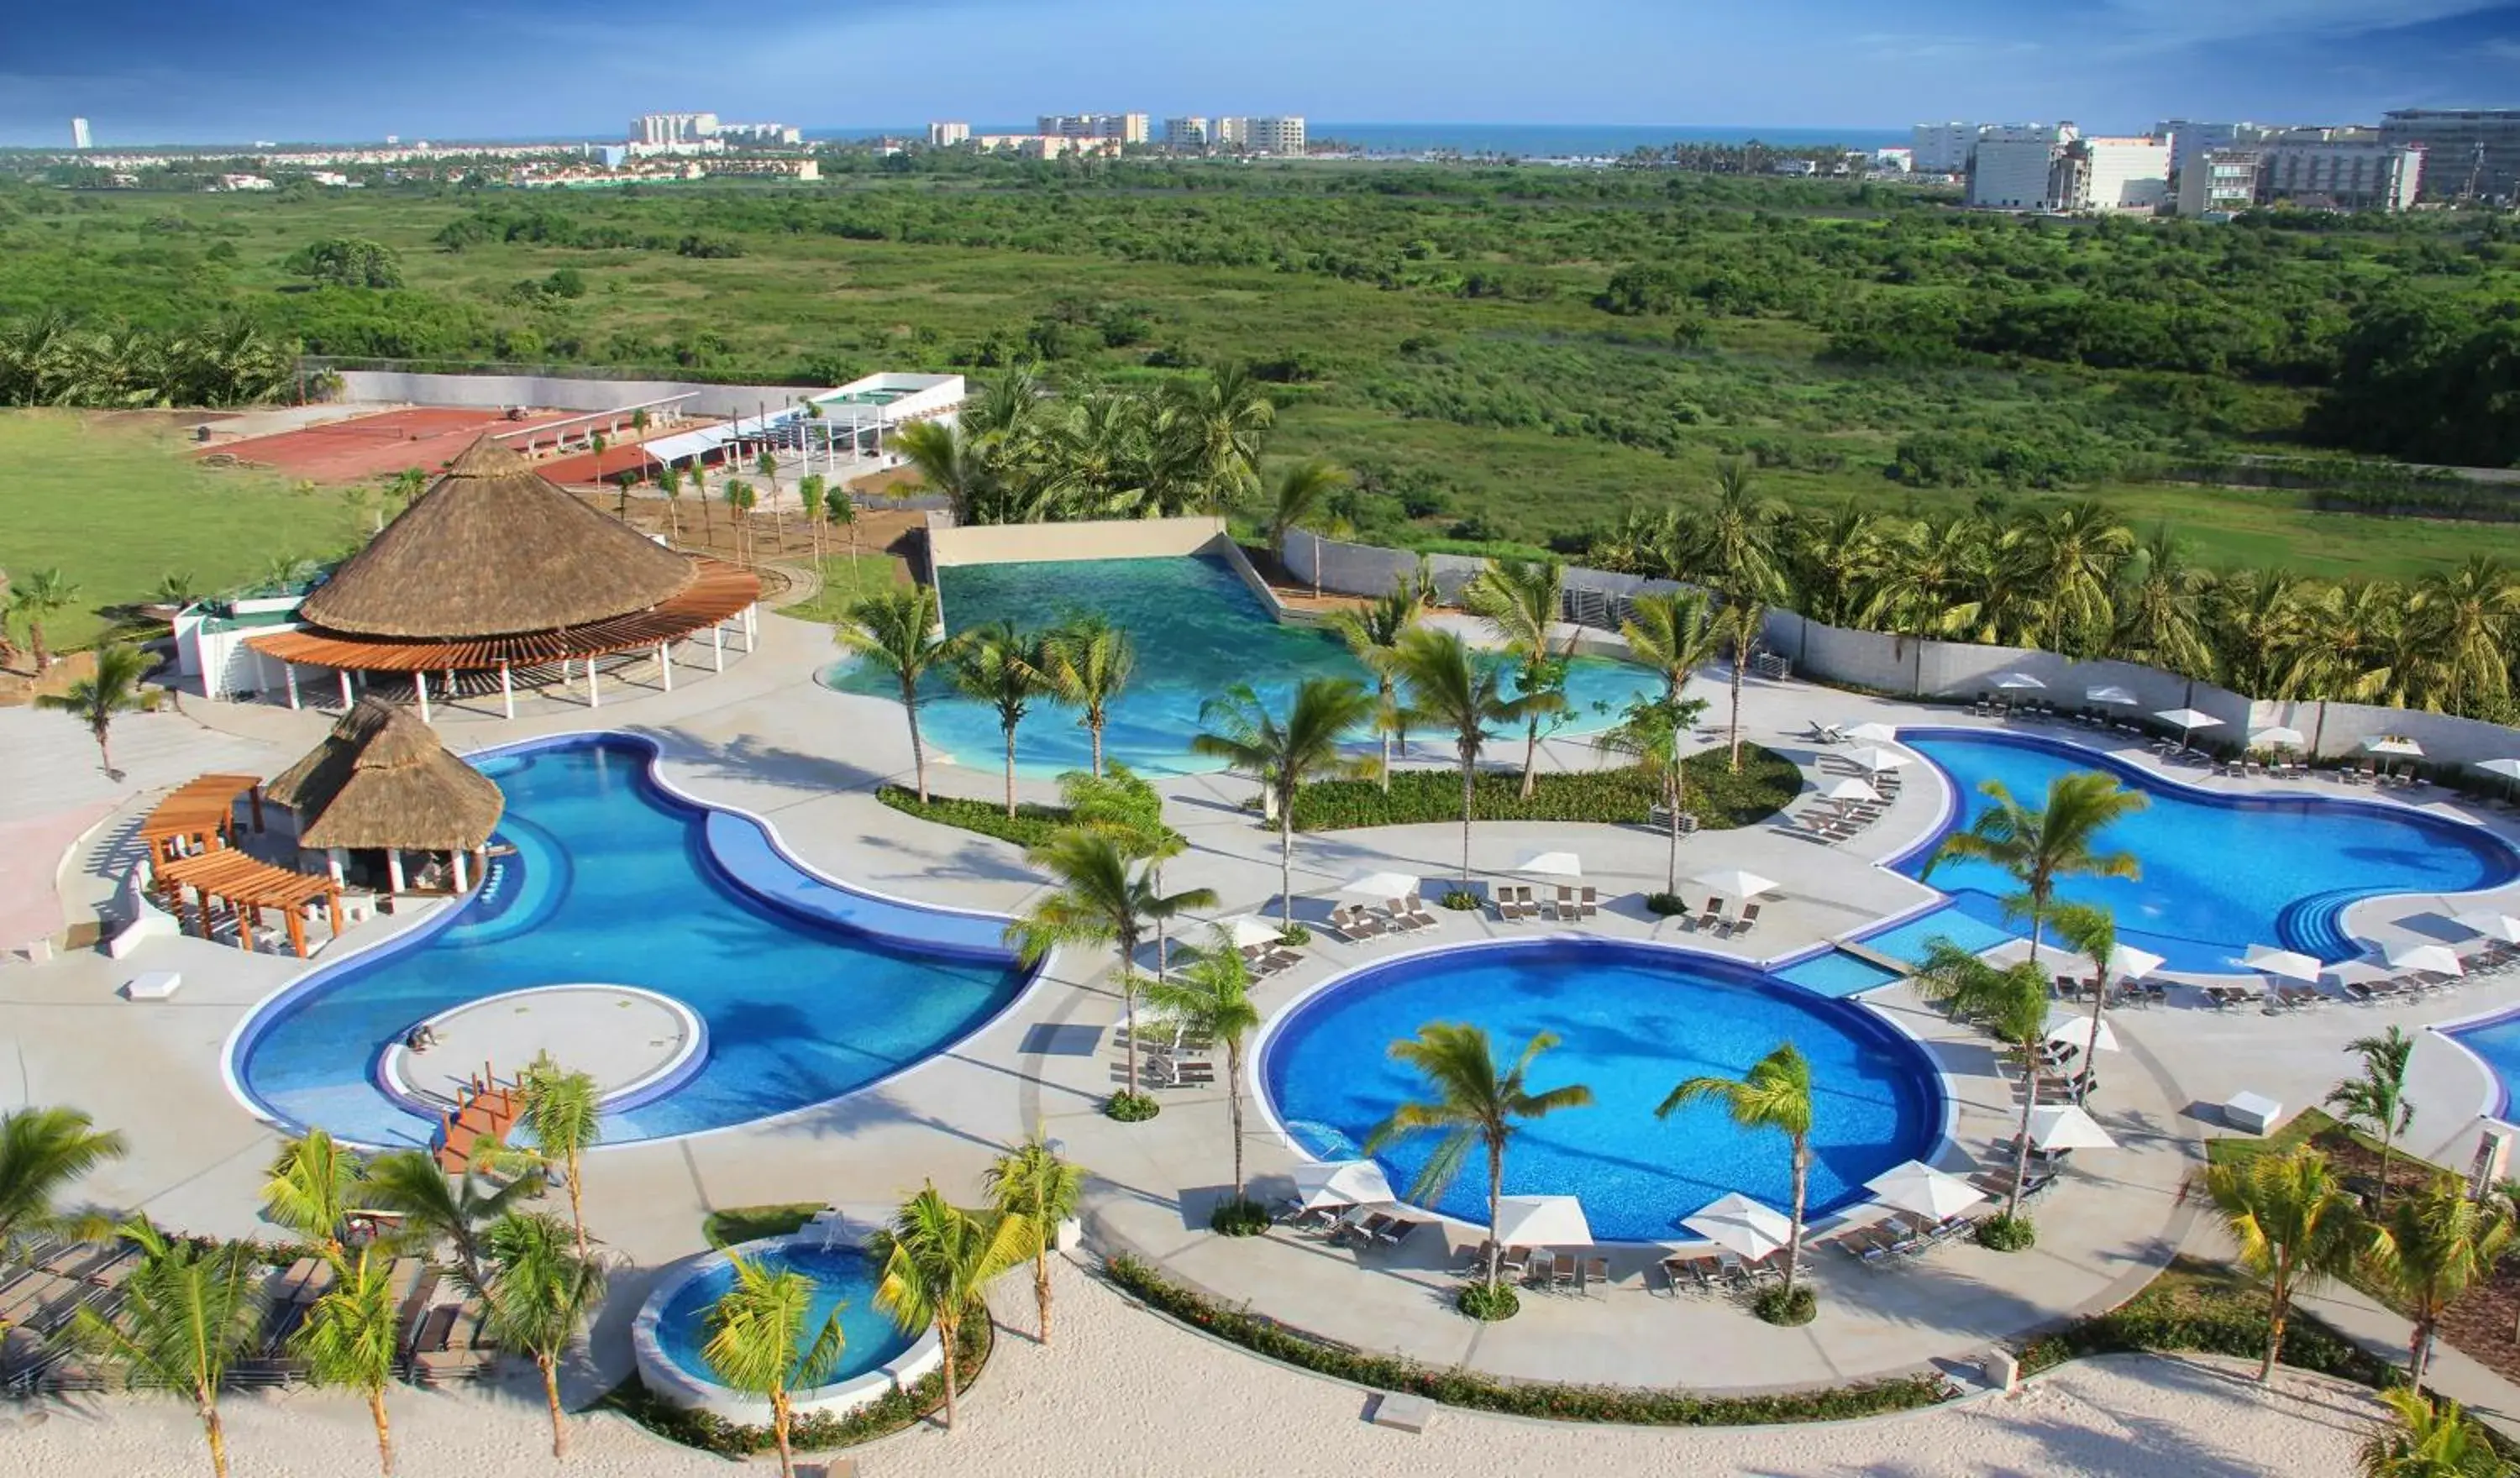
<point x="248" y="886"/>
<point x="200" y="812"/>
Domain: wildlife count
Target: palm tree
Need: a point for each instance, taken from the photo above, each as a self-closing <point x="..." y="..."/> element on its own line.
<point x="35" y="599"/>
<point x="1519" y="599"/>
<point x="841" y="509"/>
<point x="950" y="461"/>
<point x="2425" y="1438"/>
<point x="1674" y="634"/>
<point x="563" y="1112"/>
<point x="767" y="465"/>
<point x="2427" y="1249"/>
<point x="1372" y="636"/>
<point x="1470" y="1104"/>
<point x="2058" y="840"/>
<point x="406" y="486"/>
<point x="597" y="444"/>
<point x="1742" y="621"/>
<point x="938" y="1261"/>
<point x="351" y="1340"/>
<point x="669" y="481"/>
<point x="1837" y="557"/>
<point x="1734" y="546"/>
<point x="188" y="1312"/>
<point x="1652" y="734"/>
<point x="1032" y="1181"/>
<point x="2295" y="1227"/>
<point x="540" y="1294"/>
<point x="1284" y="755"/>
<point x="741" y="499"/>
<point x="1775" y="1094"/>
<point x="2346" y="632"/>
<point x="1453" y="692"/>
<point x="42" y="1150"/>
<point x="1000" y="667"/>
<point x="2377" y="1101"/>
<point x="1130" y="811"/>
<point x="897" y="630"/>
<point x="2468" y="612"/>
<point x="313" y="1186"/>
<point x="2071" y="557"/>
<point x="455" y="1213"/>
<point x="1213" y="427"/>
<point x="762" y="1343"/>
<point x="1100" y="899"/>
<point x="1088" y="660"/>
<point x="2092" y="932"/>
<point x="1211" y="998"/>
<point x="2160" y="611"/>
<point x="2012" y="1004"/>
<point x="1300" y="500"/>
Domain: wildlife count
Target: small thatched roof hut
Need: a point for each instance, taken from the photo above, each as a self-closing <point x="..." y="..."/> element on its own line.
<point x="492" y="549"/>
<point x="381" y="779"/>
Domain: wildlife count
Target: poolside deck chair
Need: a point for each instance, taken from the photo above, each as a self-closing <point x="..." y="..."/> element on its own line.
<point x="1418" y="916"/>
<point x="1749" y="920"/>
<point x="1568" y="908"/>
<point x="1563" y="1269"/>
<point x="1590" y="904"/>
<point x="1711" y="914"/>
<point x="1592" y="1271"/>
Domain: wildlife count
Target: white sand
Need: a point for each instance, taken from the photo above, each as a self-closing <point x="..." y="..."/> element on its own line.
<point x="1126" y="1393"/>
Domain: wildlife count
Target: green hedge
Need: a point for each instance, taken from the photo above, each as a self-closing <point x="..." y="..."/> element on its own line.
<point x="1032" y="826"/>
<point x="816" y="1431"/>
<point x="1719" y="798"/>
<point x="1485" y="1393"/>
<point x="2199" y="1307"/>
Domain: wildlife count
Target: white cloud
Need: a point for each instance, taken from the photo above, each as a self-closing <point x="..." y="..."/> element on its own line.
<point x="2179" y="23"/>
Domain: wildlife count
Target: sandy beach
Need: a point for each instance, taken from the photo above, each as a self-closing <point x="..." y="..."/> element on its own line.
<point x="1124" y="1392"/>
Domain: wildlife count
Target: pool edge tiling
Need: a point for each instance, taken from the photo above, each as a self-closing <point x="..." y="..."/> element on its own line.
<point x="753" y="874"/>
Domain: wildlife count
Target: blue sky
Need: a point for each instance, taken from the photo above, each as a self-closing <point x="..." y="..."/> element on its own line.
<point x="204" y="71"/>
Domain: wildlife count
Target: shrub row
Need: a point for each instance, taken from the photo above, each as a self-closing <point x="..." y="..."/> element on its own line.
<point x="2197" y="1307"/>
<point x="1484" y="1393"/>
<point x="1718" y="797"/>
<point x="1032" y="825"/>
<point x="816" y="1431"/>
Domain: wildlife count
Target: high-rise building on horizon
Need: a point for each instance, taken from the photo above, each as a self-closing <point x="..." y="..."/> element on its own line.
<point x="658" y="129"/>
<point x="947" y="135"/>
<point x="79" y="134"/>
<point x="2358" y="171"/>
<point x="1942" y="148"/>
<point x="1122" y="127"/>
<point x="2010" y="163"/>
<point x="2469" y="152"/>
<point x="2109" y="175"/>
<point x="1284" y="135"/>
<point x="1189" y="132"/>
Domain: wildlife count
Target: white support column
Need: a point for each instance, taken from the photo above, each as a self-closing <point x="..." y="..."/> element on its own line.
<point x="419" y="680"/>
<point x="394" y="868"/>
<point x="344" y="673"/>
<point x="332" y="863"/>
<point x="507" y="691"/>
<point x="594" y="696"/>
<point x="751" y="629"/>
<point x="665" y="663"/>
<point x="717" y="647"/>
<point x="289" y="677"/>
<point x="463" y="878"/>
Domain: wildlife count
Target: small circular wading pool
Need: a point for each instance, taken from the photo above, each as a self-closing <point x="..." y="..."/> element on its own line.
<point x="1633" y="1020"/>
<point x="673" y="1329"/>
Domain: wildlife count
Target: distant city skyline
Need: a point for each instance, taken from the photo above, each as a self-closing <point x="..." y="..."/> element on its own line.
<point x="190" y="71"/>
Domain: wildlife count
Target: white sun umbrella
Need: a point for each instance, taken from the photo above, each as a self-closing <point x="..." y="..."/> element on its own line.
<point x="1847" y="788"/>
<point x="2110" y="692"/>
<point x="2394" y="745"/>
<point x="2189" y="720"/>
<point x="2131" y="962"/>
<point x="2493" y="924"/>
<point x="1248" y="929"/>
<point x="1551" y="865"/>
<point x="1738" y="1224"/>
<point x="2430" y="958"/>
<point x="2509" y="769"/>
<point x="1542" y="1221"/>
<point x="2065" y="1126"/>
<point x="1874" y="732"/>
<point x="2266" y="959"/>
<point x="2279" y="737"/>
<point x="1341" y="1182"/>
<point x="1381" y="887"/>
<point x="1874" y="759"/>
<point x="2015" y="682"/>
<point x="1734" y="883"/>
<point x="1922" y="1188"/>
<point x="2074" y="1028"/>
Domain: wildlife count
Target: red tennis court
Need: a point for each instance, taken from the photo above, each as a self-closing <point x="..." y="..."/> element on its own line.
<point x="376" y="446"/>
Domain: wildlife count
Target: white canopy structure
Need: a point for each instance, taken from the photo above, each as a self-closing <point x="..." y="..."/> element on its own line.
<point x="2065" y="1126"/>
<point x="2074" y="1028"/>
<point x="1734" y="883"/>
<point x="1738" y="1224"/>
<point x="2189" y="720"/>
<point x="1873" y="732"/>
<point x="2016" y="681"/>
<point x="2430" y="958"/>
<point x="2267" y="960"/>
<point x="2493" y="924"/>
<point x="1542" y="1221"/>
<point x="2396" y="745"/>
<point x="1381" y="887"/>
<point x="1847" y="788"/>
<point x="2110" y="693"/>
<point x="1550" y="864"/>
<point x="2280" y="736"/>
<point x="1874" y="759"/>
<point x="1248" y="929"/>
<point x="1341" y="1182"/>
<point x="1922" y="1188"/>
<point x="2131" y="962"/>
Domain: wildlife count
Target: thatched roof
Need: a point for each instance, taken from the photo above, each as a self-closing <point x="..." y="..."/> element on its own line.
<point x="494" y="549"/>
<point x="382" y="780"/>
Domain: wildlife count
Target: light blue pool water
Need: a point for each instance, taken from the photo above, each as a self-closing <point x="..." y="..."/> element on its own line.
<point x="1912" y="940"/>
<point x="845" y="1280"/>
<point x="2221" y="872"/>
<point x="1633" y="1020"/>
<point x="2497" y="1043"/>
<point x="1837" y="974"/>
<point x="1198" y="631"/>
<point x="615" y="882"/>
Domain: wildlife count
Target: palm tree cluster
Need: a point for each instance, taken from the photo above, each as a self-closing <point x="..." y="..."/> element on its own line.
<point x="1017" y="454"/>
<point x="53" y="360"/>
<point x="2078" y="580"/>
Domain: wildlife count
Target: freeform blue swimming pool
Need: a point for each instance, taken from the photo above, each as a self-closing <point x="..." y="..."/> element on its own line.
<point x="1633" y="1020"/>
<point x="845" y="1280"/>
<point x="807" y="991"/>
<point x="1199" y="630"/>
<point x="2221" y="872"/>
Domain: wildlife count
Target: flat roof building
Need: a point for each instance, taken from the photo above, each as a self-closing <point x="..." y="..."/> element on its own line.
<point x="1274" y="136"/>
<point x="2010" y="163"/>
<point x="1119" y="127"/>
<point x="1187" y="133"/>
<point x="1943" y="148"/>
<point x="947" y="135"/>
<point x="2111" y="175"/>
<point x="2470" y="153"/>
<point x="2343" y="174"/>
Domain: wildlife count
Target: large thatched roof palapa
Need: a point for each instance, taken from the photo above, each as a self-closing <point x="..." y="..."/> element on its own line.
<point x="494" y="548"/>
<point x="382" y="780"/>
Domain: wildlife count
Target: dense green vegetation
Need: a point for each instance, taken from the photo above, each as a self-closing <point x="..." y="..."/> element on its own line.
<point x="1458" y="336"/>
<point x="1720" y="798"/>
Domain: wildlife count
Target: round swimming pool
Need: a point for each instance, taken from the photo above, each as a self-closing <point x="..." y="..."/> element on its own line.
<point x="673" y="1330"/>
<point x="1632" y="1020"/>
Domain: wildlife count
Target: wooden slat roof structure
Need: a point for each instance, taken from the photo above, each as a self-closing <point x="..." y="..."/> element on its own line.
<point x="245" y="880"/>
<point x="717" y="593"/>
<point x="381" y="779"/>
<point x="195" y="807"/>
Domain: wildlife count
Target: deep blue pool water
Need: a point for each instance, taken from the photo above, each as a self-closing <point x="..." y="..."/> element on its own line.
<point x="1198" y="631"/>
<point x="2220" y="872"/>
<point x="612" y="882"/>
<point x="1632" y="1020"/>
<point x="845" y="1280"/>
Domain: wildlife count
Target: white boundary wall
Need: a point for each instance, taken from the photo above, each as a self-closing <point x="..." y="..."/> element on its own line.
<point x="1039" y="543"/>
<point x="1948" y="670"/>
<point x="564" y="393"/>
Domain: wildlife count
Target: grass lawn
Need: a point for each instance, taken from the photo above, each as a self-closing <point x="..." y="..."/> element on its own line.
<point x="846" y="580"/>
<point x="117" y="506"/>
<point x="743" y="1224"/>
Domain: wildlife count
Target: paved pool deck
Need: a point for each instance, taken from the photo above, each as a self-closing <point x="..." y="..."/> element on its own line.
<point x="764" y="739"/>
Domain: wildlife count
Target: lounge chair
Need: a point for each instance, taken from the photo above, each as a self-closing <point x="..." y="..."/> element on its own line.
<point x="1568" y="907"/>
<point x="1711" y="914"/>
<point x="1749" y="920"/>
<point x="1562" y="1270"/>
<point x="1591" y="902"/>
<point x="1419" y="917"/>
<point x="1593" y="1269"/>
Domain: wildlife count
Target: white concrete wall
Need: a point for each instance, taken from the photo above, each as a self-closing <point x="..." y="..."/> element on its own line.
<point x="1036" y="543"/>
<point x="561" y="392"/>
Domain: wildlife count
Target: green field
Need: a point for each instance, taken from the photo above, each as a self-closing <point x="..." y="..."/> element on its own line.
<point x="117" y="506"/>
